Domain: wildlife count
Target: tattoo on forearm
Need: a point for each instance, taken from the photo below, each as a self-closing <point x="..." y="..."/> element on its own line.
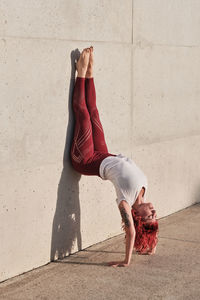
<point x="125" y="217"/>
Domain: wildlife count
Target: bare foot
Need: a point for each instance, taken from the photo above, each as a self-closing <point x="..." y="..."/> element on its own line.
<point x="82" y="63"/>
<point x="89" y="73"/>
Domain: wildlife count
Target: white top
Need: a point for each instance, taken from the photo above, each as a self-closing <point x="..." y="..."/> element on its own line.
<point x="126" y="176"/>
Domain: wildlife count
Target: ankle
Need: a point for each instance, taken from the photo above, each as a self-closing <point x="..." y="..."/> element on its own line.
<point x="81" y="73"/>
<point x="89" y="74"/>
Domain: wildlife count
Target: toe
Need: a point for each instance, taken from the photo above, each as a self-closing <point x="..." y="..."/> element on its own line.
<point x="84" y="51"/>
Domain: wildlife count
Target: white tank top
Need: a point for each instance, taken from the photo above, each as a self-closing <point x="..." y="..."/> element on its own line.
<point x="126" y="176"/>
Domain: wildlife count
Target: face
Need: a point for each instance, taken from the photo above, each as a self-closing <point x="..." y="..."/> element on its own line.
<point x="147" y="212"/>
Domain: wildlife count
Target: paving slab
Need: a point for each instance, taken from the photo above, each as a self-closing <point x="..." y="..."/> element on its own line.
<point x="173" y="273"/>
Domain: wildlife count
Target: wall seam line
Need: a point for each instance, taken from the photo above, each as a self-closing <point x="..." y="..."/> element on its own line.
<point x="132" y="85"/>
<point x="64" y="40"/>
<point x="136" y="44"/>
<point x="168" y="140"/>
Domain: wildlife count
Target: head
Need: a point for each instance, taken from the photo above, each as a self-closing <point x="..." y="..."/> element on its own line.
<point x="146" y="227"/>
<point x="146" y="211"/>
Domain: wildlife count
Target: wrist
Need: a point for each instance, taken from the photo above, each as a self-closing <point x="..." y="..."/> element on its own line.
<point x="127" y="261"/>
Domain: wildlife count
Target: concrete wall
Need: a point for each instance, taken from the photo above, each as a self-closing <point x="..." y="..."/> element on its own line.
<point x="147" y="82"/>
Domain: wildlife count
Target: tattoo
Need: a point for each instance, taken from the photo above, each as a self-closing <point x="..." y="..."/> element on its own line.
<point x="125" y="217"/>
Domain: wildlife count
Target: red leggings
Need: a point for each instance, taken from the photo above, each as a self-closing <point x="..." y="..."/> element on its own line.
<point x="88" y="147"/>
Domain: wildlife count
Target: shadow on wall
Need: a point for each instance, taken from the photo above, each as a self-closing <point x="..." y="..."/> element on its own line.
<point x="197" y="195"/>
<point x="66" y="224"/>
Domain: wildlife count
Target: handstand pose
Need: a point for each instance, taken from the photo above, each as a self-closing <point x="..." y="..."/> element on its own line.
<point x="90" y="156"/>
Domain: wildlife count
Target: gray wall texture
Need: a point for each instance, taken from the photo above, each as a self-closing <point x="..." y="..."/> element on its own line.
<point x="147" y="62"/>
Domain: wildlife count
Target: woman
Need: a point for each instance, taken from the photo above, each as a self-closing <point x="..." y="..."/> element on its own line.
<point x="90" y="156"/>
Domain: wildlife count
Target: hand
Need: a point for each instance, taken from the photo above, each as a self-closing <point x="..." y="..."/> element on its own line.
<point x="118" y="264"/>
<point x="153" y="251"/>
<point x="149" y="252"/>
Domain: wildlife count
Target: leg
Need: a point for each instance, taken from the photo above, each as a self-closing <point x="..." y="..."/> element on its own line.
<point x="97" y="129"/>
<point x="85" y="159"/>
<point x="82" y="146"/>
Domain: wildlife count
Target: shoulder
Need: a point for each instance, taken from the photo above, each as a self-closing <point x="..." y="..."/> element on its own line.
<point x="124" y="204"/>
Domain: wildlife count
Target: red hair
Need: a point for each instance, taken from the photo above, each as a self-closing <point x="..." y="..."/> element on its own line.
<point x="146" y="237"/>
<point x="146" y="234"/>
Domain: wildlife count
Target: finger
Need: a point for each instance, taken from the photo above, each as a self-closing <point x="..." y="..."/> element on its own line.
<point x="112" y="265"/>
<point x="154" y="213"/>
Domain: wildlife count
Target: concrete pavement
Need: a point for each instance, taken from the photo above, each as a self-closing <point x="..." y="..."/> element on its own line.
<point x="173" y="273"/>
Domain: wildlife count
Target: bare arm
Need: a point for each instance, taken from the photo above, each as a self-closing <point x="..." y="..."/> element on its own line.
<point x="127" y="218"/>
